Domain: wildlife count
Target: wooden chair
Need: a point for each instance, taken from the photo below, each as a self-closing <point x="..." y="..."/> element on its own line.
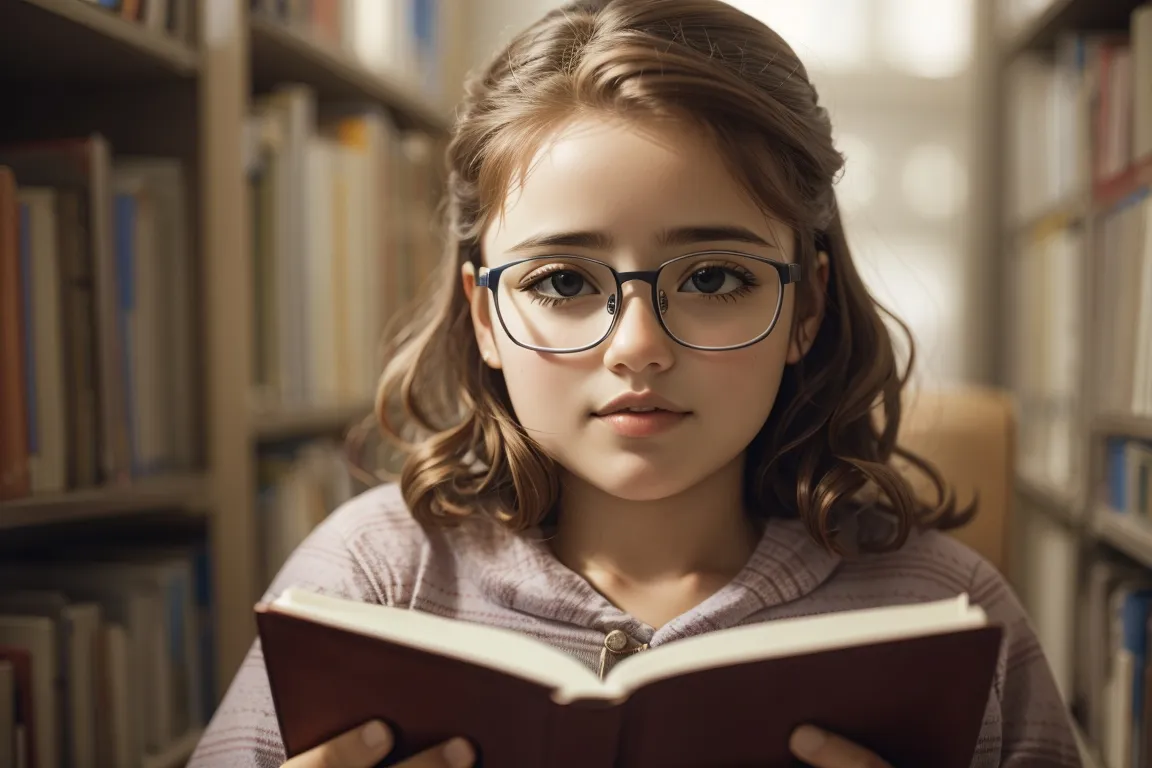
<point x="969" y="434"/>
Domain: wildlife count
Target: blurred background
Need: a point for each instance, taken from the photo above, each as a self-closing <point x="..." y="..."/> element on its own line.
<point x="211" y="211"/>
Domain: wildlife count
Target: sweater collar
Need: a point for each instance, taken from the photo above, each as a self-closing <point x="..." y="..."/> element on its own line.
<point x="520" y="572"/>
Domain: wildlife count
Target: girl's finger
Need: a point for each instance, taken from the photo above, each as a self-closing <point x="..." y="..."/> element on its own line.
<point x="361" y="747"/>
<point x="821" y="749"/>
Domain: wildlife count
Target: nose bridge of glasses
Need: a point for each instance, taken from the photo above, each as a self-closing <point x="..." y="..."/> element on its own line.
<point x="650" y="277"/>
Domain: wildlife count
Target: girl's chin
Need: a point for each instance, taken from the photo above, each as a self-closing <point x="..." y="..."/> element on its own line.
<point x="639" y="480"/>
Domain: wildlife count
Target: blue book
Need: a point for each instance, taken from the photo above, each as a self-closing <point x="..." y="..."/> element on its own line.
<point x="1135" y="640"/>
<point x="1116" y="471"/>
<point x="424" y="20"/>
<point x="205" y="616"/>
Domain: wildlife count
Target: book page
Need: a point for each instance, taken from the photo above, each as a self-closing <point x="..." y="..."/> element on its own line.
<point x="791" y="637"/>
<point x="500" y="649"/>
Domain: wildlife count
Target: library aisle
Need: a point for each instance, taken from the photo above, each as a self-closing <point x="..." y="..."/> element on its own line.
<point x="201" y="206"/>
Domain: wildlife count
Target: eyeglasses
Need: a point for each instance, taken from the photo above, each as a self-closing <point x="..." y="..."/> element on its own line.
<point x="709" y="300"/>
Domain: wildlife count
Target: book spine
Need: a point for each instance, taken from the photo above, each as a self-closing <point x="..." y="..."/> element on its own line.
<point x="584" y="734"/>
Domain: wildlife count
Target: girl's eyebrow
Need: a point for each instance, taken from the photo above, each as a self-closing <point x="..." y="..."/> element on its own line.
<point x="602" y="241"/>
<point x="597" y="241"/>
<point x="710" y="234"/>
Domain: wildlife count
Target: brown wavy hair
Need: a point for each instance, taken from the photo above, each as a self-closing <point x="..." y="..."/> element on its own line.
<point x="831" y="438"/>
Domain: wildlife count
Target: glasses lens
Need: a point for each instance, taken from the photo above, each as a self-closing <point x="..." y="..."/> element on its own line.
<point x="557" y="302"/>
<point x="719" y="299"/>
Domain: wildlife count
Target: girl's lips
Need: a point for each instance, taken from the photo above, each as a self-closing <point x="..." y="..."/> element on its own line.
<point x="642" y="424"/>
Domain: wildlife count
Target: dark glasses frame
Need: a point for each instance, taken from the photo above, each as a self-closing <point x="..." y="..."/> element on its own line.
<point x="789" y="272"/>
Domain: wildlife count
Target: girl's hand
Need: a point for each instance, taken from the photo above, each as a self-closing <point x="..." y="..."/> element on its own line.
<point x="821" y="749"/>
<point x="367" y="745"/>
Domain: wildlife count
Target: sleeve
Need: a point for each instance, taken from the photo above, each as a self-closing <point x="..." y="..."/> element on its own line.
<point x="244" y="732"/>
<point x="1026" y="709"/>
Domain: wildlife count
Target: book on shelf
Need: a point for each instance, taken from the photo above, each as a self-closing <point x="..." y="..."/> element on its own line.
<point x="342" y="227"/>
<point x="1128" y="470"/>
<point x="1015" y="16"/>
<point x="1045" y="276"/>
<point x="713" y="699"/>
<point x="15" y="708"/>
<point x="1049" y="132"/>
<point x="168" y="17"/>
<point x="298" y="484"/>
<point x="400" y="38"/>
<point x="97" y="327"/>
<point x="1114" y="674"/>
<point x="1123" y="364"/>
<point x="119" y="650"/>
<point x="1081" y="146"/>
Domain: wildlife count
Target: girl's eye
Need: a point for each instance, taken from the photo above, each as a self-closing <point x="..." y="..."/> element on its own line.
<point x="563" y="284"/>
<point x="714" y="280"/>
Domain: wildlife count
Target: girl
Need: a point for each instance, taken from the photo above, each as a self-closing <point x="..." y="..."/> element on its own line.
<point x="651" y="396"/>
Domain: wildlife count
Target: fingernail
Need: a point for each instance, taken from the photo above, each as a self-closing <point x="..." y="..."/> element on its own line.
<point x="458" y="753"/>
<point x="807" y="741"/>
<point x="375" y="735"/>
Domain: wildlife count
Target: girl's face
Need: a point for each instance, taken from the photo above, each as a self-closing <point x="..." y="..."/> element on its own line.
<point x="633" y="198"/>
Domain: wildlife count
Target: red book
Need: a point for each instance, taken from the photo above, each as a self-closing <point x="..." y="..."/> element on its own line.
<point x="909" y="682"/>
<point x="15" y="480"/>
<point x="24" y="750"/>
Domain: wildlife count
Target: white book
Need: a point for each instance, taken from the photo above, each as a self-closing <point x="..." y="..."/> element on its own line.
<point x="83" y="669"/>
<point x="49" y="464"/>
<point x="358" y="360"/>
<point x="293" y="108"/>
<point x="1141" y="402"/>
<point x="326" y="252"/>
<point x="171" y="370"/>
<point x="1141" y="36"/>
<point x="121" y="724"/>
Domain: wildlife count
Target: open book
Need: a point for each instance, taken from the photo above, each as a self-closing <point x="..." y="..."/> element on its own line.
<point x="910" y="682"/>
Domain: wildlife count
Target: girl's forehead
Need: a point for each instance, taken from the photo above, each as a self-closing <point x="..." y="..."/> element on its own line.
<point x="631" y="182"/>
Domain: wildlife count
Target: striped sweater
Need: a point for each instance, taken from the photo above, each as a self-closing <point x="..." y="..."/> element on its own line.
<point x="371" y="549"/>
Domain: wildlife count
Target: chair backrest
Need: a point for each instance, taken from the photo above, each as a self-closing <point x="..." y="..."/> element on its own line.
<point x="969" y="434"/>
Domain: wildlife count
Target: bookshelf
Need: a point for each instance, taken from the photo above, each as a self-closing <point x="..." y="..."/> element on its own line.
<point x="1071" y="162"/>
<point x="281" y="54"/>
<point x="271" y="425"/>
<point x="1042" y="27"/>
<point x="87" y="42"/>
<point x="186" y="493"/>
<point x="188" y="90"/>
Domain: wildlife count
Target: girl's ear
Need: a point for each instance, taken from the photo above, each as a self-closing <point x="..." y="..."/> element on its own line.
<point x="481" y="316"/>
<point x="805" y="332"/>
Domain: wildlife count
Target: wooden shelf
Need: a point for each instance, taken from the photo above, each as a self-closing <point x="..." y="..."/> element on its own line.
<point x="160" y="494"/>
<point x="1053" y="502"/>
<point x="81" y="42"/>
<point x="1111" y="192"/>
<point x="1062" y="16"/>
<point x="304" y="421"/>
<point x="281" y="54"/>
<point x="1062" y="213"/>
<point x="177" y="754"/>
<point x="1123" y="424"/>
<point x="1124" y="533"/>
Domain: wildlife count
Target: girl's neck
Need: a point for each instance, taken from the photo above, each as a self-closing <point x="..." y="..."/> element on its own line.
<point x="703" y="533"/>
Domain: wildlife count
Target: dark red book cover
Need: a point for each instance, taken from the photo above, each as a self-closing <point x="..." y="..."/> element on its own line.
<point x="21" y="661"/>
<point x="916" y="702"/>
